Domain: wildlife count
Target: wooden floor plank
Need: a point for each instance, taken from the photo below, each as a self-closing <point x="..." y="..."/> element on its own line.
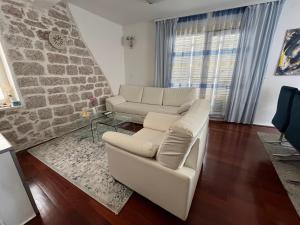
<point x="238" y="186"/>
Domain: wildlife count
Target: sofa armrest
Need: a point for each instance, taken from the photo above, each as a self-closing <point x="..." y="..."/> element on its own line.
<point x="185" y="107"/>
<point x="112" y="101"/>
<point x="131" y="144"/>
<point x="159" y="121"/>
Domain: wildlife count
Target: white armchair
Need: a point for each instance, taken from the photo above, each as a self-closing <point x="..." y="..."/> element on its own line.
<point x="162" y="161"/>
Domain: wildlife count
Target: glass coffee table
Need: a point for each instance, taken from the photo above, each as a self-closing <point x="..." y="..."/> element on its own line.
<point x="108" y="119"/>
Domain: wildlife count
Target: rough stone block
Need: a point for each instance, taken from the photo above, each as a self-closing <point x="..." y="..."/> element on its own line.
<point x="27" y="82"/>
<point x="39" y="45"/>
<point x="98" y="92"/>
<point x="53" y="81"/>
<point x="92" y="79"/>
<point x="74" y="33"/>
<point x="72" y="70"/>
<point x="5" y="125"/>
<point x="85" y="70"/>
<point x="34" y="55"/>
<point x="78" y="80"/>
<point x="46" y="21"/>
<point x="97" y="70"/>
<point x="43" y="35"/>
<point x="33" y="116"/>
<point x="11" y="10"/>
<point x="18" y="41"/>
<point x="63" y="110"/>
<point x="72" y="89"/>
<point x="45" y="113"/>
<point x="32" y="91"/>
<point x="58" y="99"/>
<point x="107" y="91"/>
<point x="15" y="55"/>
<point x="86" y="87"/>
<point x="101" y="78"/>
<point x="57" y="58"/>
<point x="74" y="98"/>
<point x="60" y="120"/>
<point x="10" y="135"/>
<point x="22" y="28"/>
<point x="75" y="116"/>
<point x="32" y="15"/>
<point x="28" y="68"/>
<point x="79" y="43"/>
<point x="56" y="90"/>
<point x="87" y="61"/>
<point x="79" y="106"/>
<point x="55" y="14"/>
<point x="75" y="60"/>
<point x="63" y="24"/>
<point x="35" y="24"/>
<point x="24" y="128"/>
<point x="43" y="125"/>
<point x="79" y="51"/>
<point x="56" y="69"/>
<point x="32" y="102"/>
<point x="19" y="120"/>
<point x="86" y="95"/>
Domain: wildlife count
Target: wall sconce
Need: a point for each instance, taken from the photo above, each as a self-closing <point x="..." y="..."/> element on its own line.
<point x="130" y="40"/>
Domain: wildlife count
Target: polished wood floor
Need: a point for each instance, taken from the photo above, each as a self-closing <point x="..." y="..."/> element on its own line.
<point x="238" y="186"/>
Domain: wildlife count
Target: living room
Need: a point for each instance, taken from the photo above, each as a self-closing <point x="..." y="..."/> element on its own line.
<point x="149" y="112"/>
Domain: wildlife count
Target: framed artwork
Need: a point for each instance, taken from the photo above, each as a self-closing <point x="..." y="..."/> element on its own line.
<point x="289" y="61"/>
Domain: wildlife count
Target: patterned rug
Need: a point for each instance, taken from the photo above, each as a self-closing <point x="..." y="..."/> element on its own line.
<point x="286" y="170"/>
<point x="84" y="163"/>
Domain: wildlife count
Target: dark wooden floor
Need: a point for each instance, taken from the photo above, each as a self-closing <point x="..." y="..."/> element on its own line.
<point x="238" y="186"/>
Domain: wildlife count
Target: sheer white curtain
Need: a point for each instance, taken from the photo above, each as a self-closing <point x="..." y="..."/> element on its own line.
<point x="205" y="53"/>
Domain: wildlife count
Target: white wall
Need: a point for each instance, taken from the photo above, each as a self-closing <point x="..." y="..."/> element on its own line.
<point x="289" y="19"/>
<point x="140" y="60"/>
<point x="103" y="38"/>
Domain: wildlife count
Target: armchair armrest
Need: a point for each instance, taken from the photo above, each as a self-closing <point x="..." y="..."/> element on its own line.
<point x="159" y="121"/>
<point x="131" y="144"/>
<point x="112" y="101"/>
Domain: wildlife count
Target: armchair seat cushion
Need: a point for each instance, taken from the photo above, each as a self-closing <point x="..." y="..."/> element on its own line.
<point x="143" y="109"/>
<point x="131" y="144"/>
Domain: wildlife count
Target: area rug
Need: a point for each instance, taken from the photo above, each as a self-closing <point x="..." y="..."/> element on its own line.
<point x="84" y="164"/>
<point x="286" y="170"/>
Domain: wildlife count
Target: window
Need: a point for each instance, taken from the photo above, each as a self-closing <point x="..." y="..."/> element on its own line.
<point x="204" y="56"/>
<point x="8" y="94"/>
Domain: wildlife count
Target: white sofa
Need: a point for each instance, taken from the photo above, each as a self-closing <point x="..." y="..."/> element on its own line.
<point x="162" y="161"/>
<point x="138" y="101"/>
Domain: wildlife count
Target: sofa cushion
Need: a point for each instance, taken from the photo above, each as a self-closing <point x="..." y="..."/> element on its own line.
<point x="143" y="109"/>
<point x="154" y="136"/>
<point x="182" y="134"/>
<point x="131" y="93"/>
<point x="174" y="149"/>
<point x="179" y="96"/>
<point x="159" y="121"/>
<point x="152" y="95"/>
<point x="131" y="144"/>
<point x="192" y="122"/>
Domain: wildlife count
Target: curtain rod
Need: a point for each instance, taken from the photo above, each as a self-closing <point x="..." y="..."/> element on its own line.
<point x="208" y="10"/>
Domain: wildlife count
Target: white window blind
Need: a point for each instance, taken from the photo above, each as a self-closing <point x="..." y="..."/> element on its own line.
<point x="206" y="61"/>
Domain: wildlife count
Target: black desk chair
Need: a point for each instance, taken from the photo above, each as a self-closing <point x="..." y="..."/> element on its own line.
<point x="282" y="116"/>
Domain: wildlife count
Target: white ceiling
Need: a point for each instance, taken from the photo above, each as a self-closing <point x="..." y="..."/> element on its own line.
<point x="133" y="11"/>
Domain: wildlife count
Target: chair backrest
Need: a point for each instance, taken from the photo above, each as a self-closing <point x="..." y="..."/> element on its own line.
<point x="282" y="116"/>
<point x="292" y="133"/>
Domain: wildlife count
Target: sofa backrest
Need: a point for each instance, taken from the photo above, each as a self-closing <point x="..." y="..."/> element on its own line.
<point x="153" y="96"/>
<point x="179" y="96"/>
<point x="131" y="93"/>
<point x="182" y="135"/>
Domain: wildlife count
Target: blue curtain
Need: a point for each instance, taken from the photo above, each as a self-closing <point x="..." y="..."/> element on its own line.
<point x="257" y="29"/>
<point x="164" y="46"/>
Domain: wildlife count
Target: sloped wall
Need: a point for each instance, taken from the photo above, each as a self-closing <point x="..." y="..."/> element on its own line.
<point x="55" y="84"/>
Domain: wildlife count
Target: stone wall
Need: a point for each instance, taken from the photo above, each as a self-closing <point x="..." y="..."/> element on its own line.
<point x="55" y="84"/>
